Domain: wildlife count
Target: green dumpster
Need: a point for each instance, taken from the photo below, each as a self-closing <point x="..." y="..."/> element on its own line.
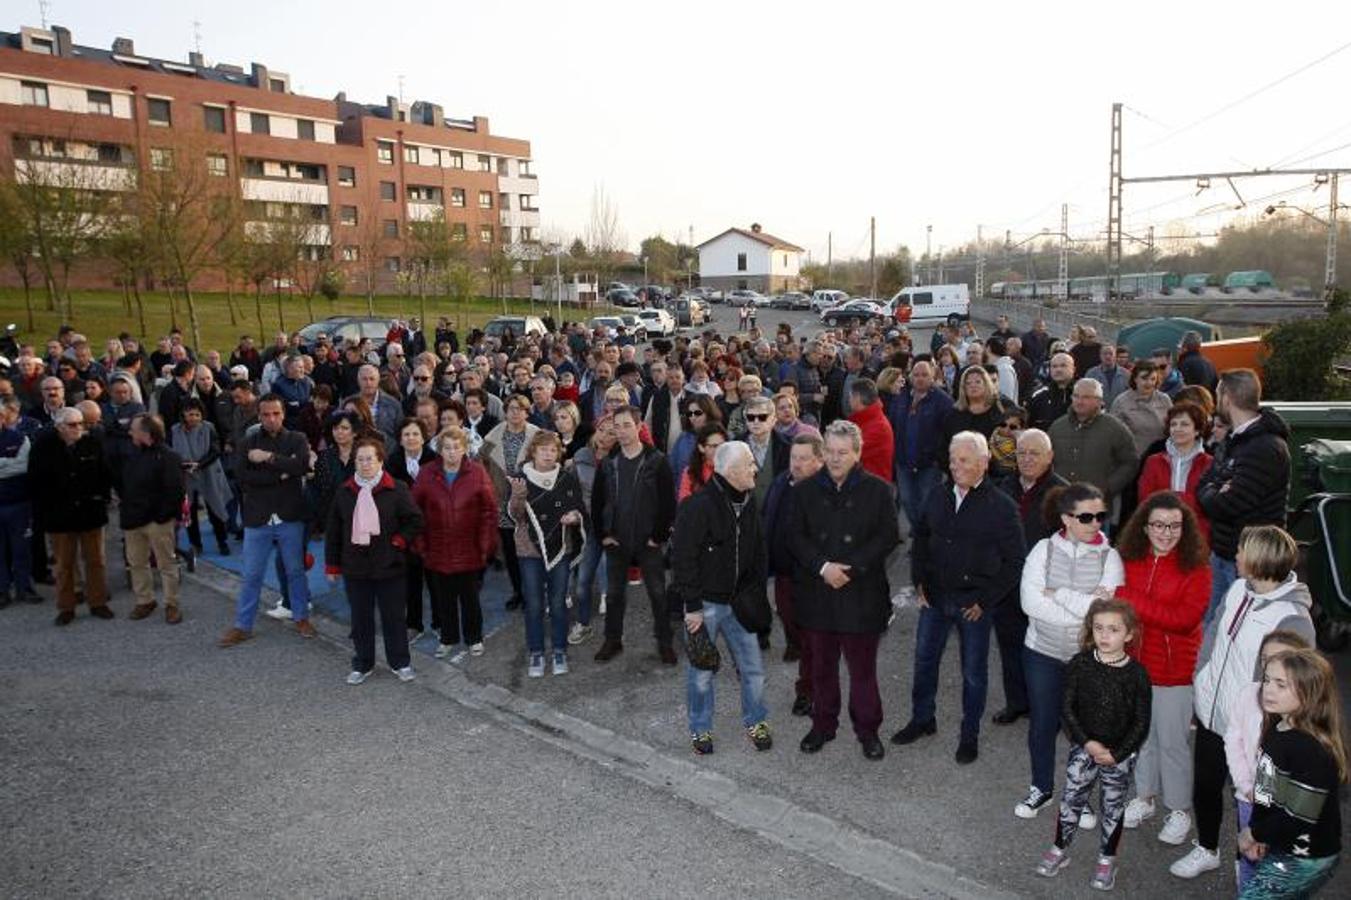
<point x="1310" y="422"/>
<point x="1142" y="338"/>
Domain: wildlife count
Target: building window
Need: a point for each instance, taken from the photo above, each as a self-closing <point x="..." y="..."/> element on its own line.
<point x="390" y="228"/>
<point x="253" y="168"/>
<point x="410" y="154"/>
<point x="213" y="119"/>
<point x="348" y="215"/>
<point x="485" y="163"/>
<point x="58" y="149"/>
<point x="741" y="262"/>
<point x="459" y="232"/>
<point x="527" y="235"/>
<point x="503" y="167"/>
<point x="392" y="264"/>
<point x="387" y="190"/>
<point x="305" y="129"/>
<point x="527" y="202"/>
<point x="277" y="85"/>
<point x="504" y="201"/>
<point x="216" y="164"/>
<point x="455" y="160"/>
<point x="110" y="153"/>
<point x="485" y="199"/>
<point x="260" y="123"/>
<point x="276" y="211"/>
<point x="161" y="159"/>
<point x="457" y="197"/>
<point x="785" y="260"/>
<point x="347" y="176"/>
<point x="34" y="93"/>
<point x="423" y="193"/>
<point x="485" y="234"/>
<point x="43" y="46"/>
<point x="384" y="152"/>
<point x="523" y="169"/>
<point x="350" y="253"/>
<point x="100" y="103"/>
<point x="505" y="234"/>
<point x="157" y="111"/>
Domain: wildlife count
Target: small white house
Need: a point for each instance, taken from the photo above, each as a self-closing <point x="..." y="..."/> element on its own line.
<point x="750" y="259"/>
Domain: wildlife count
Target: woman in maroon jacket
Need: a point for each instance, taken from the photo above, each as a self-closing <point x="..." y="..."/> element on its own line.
<point x="1168" y="584"/>
<point x="460" y="509"/>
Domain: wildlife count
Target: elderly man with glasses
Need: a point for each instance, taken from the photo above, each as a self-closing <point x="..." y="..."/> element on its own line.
<point x="71" y="486"/>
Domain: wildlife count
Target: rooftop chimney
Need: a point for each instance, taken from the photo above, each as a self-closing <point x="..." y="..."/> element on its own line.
<point x="62" y="35"/>
<point x="124" y="47"/>
<point x="195" y="58"/>
<point x="260" y="77"/>
<point x="755" y="227"/>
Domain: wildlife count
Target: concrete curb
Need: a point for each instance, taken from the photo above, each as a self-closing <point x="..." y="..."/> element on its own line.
<point x="827" y="840"/>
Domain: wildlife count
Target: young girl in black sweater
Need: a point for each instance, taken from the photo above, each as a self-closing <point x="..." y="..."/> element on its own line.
<point x="1295" y="833"/>
<point x="1105" y="709"/>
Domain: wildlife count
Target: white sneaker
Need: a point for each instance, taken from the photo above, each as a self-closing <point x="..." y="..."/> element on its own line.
<point x="414" y="636"/>
<point x="536" y="668"/>
<point x="600" y="611"/>
<point x="354" y="677"/>
<point x="405" y="674"/>
<point x="476" y="649"/>
<point x="443" y="650"/>
<point x="579" y="633"/>
<point x="1088" y="820"/>
<point x="1194" y="863"/>
<point x="1137" y="811"/>
<point x="567" y="601"/>
<point x="560" y="663"/>
<point x="278" y="612"/>
<point x="1176" y="826"/>
<point x="1032" y="804"/>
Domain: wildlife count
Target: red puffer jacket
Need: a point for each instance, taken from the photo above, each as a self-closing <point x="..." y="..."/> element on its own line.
<point x="1170" y="604"/>
<point x="879" y="445"/>
<point x="460" y="534"/>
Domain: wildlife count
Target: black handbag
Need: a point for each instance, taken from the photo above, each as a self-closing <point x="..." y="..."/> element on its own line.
<point x="703" y="653"/>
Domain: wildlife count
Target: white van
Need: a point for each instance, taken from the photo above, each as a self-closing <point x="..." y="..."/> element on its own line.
<point x="931" y="304"/>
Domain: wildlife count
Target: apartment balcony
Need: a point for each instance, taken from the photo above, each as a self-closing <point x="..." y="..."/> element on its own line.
<point x="284" y="191"/>
<point x="317" y="234"/>
<point x="424" y="210"/>
<point x="76" y="175"/>
<point x="520" y="218"/>
<point x="517" y="184"/>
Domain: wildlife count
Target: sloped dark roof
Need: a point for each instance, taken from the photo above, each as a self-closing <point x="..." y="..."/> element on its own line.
<point x="768" y="240"/>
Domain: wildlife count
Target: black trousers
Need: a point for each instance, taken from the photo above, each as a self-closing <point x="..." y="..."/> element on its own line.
<point x="456" y="606"/>
<point x="218" y="526"/>
<point x="1010" y="629"/>
<point x="365" y="595"/>
<point x="649" y="560"/>
<point x="41" y="563"/>
<point x="1210" y="770"/>
<point x="508" y="542"/>
<point x="414" y="582"/>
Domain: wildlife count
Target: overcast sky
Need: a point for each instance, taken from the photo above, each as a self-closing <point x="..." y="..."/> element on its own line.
<point x="810" y="117"/>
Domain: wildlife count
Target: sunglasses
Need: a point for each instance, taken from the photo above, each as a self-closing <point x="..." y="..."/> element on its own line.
<point x="1089" y="518"/>
<point x="757" y="417"/>
<point x="695" y="413"/>
<point x="422" y="378"/>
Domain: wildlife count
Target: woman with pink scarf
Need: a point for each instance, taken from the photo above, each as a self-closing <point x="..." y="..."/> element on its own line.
<point x="372" y="522"/>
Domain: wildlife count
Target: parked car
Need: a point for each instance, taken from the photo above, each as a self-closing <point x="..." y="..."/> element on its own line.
<point x="622" y="297"/>
<point x="791" y="300"/>
<point x="825" y="299"/>
<point x="617" y="286"/>
<point x="344" y="328"/>
<point x="742" y="297"/>
<point x="854" y="312"/>
<point x="687" y="311"/>
<point x="518" y="325"/>
<point x="658" y="322"/>
<point x="610" y="325"/>
<point x="656" y="293"/>
<point x="634" y="325"/>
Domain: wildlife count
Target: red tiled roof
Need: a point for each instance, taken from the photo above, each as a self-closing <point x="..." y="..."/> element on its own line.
<point x="768" y="240"/>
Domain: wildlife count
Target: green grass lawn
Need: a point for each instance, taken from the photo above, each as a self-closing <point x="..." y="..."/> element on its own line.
<point x="101" y="314"/>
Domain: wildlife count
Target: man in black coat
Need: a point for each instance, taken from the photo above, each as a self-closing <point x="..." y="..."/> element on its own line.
<point x="718" y="557"/>
<point x="841" y="528"/>
<point x="71" y="486"/>
<point x="172" y="395"/>
<point x="151" y="487"/>
<point x="1250" y="483"/>
<point x="967" y="557"/>
<point x="1192" y="366"/>
<point x="1028" y="488"/>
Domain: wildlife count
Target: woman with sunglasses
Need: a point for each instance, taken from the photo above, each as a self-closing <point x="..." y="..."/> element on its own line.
<point x="696" y="411"/>
<point x="1062" y="576"/>
<point x="700" y="468"/>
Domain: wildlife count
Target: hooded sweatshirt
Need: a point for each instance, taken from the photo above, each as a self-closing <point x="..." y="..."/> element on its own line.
<point x="1230" y="655"/>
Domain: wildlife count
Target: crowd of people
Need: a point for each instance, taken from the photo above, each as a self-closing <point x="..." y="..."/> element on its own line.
<point x="1113" y="523"/>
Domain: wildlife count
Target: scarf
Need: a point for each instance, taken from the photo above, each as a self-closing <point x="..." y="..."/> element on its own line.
<point x="413" y="466"/>
<point x="1179" y="466"/>
<point x="542" y="480"/>
<point x="366" y="518"/>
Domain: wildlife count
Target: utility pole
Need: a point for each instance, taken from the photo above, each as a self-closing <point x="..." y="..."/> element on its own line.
<point x="1114" y="185"/>
<point x="558" y="281"/>
<point x="940" y="265"/>
<point x="928" y="254"/>
<point x="872" y="256"/>
<point x="830" y="257"/>
<point x="1330" y="272"/>
<point x="980" y="264"/>
<point x="1149" y="242"/>
<point x="1062" y="284"/>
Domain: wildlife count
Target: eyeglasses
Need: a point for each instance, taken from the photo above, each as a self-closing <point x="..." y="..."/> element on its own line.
<point x="695" y="413"/>
<point x="1087" y="518"/>
<point x="757" y="417"/>
<point x="1165" y="527"/>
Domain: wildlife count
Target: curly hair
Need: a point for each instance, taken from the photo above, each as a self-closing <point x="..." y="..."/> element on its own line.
<point x="1192" y="551"/>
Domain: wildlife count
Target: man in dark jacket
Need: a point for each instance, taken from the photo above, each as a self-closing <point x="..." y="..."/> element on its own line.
<point x="633" y="502"/>
<point x="70" y="483"/>
<point x="172" y="395"/>
<point x="967" y="557"/>
<point x="272" y="463"/>
<point x="1192" y="366"/>
<point x="1250" y="483"/>
<point x="1028" y="488"/>
<point x="151" y="486"/>
<point x="917" y="415"/>
<point x="1052" y="400"/>
<point x="841" y="529"/>
<point x="719" y="560"/>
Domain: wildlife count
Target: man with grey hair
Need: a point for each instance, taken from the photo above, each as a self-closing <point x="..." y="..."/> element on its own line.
<point x="719" y="560"/>
<point x="769" y="450"/>
<point x="1114" y="379"/>
<point x="1050" y="401"/>
<point x="1092" y="446"/>
<point x="967" y="558"/>
<point x="840" y="531"/>
<point x="386" y="412"/>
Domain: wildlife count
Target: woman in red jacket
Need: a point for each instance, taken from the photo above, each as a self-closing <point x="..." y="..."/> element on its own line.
<point x="1179" y="466"/>
<point x="460" y="509"/>
<point x="1168" y="584"/>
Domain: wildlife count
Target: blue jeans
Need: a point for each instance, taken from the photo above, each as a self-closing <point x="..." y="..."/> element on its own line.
<point x="16" y="554"/>
<point x="1223" y="574"/>
<point x="540" y="587"/>
<point x="913" y="487"/>
<point x="1045" y="678"/>
<point x="935" y="621"/>
<point x="745" y="649"/>
<point x="289" y="538"/>
<point x="589" y="568"/>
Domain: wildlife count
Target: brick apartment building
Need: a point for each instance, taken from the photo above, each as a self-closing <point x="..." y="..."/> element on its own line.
<point x="342" y="165"/>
